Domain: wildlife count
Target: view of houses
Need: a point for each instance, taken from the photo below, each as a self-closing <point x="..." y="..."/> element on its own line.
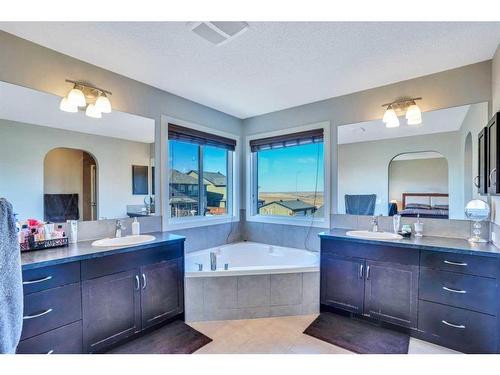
<point x="185" y="197"/>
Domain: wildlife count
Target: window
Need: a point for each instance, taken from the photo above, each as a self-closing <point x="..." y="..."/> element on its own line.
<point x="288" y="176"/>
<point x="200" y="173"/>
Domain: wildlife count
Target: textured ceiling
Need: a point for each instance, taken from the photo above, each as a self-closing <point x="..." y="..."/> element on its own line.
<point x="273" y="65"/>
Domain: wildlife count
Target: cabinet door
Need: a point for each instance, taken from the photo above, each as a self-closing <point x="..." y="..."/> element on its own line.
<point x="482" y="178"/>
<point x="391" y="293"/>
<point x="492" y="140"/>
<point x="342" y="283"/>
<point x="111" y="309"/>
<point x="161" y="291"/>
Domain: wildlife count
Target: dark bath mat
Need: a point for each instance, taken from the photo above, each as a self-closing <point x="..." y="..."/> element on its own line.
<point x="174" y="338"/>
<point x="357" y="336"/>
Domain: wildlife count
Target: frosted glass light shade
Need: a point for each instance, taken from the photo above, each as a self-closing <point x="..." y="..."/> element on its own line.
<point x="92" y="111"/>
<point x="103" y="104"/>
<point x="77" y="98"/>
<point x="391" y="119"/>
<point x="66" y="106"/>
<point x="414" y="115"/>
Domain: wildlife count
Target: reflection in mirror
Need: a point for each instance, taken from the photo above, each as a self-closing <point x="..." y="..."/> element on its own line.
<point x="418" y="185"/>
<point x="56" y="165"/>
<point x="381" y="170"/>
<point x="69" y="185"/>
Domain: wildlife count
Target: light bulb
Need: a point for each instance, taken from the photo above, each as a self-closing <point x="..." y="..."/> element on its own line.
<point x="414" y="115"/>
<point x="92" y="111"/>
<point x="103" y="104"/>
<point x="76" y="98"/>
<point x="67" y="107"/>
<point x="390" y="118"/>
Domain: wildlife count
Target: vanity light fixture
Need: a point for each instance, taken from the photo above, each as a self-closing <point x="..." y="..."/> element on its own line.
<point x="82" y="94"/>
<point x="408" y="105"/>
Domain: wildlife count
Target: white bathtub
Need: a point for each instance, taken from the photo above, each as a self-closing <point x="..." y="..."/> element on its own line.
<point x="251" y="258"/>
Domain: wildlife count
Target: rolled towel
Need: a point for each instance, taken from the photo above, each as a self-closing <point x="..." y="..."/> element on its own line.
<point x="11" y="285"/>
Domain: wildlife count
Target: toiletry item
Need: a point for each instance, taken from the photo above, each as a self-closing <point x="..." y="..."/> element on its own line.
<point x="72" y="231"/>
<point x="59" y="232"/>
<point x="419" y="227"/>
<point x="396" y="222"/>
<point x="18" y="229"/>
<point x="136" y="227"/>
<point x="405" y="230"/>
<point x="48" y="230"/>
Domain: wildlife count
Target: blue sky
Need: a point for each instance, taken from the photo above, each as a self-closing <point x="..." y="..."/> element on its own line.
<point x="281" y="170"/>
<point x="184" y="157"/>
<point x="291" y="169"/>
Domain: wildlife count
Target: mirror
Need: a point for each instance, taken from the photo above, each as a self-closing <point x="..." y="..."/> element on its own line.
<point x="426" y="170"/>
<point x="57" y="166"/>
<point x="477" y="210"/>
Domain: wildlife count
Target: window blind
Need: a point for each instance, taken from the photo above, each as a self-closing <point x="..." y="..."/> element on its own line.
<point x="181" y="133"/>
<point x="287" y="140"/>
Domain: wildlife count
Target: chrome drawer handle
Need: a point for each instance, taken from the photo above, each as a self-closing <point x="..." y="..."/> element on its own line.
<point x="144" y="283"/>
<point x="137" y="282"/>
<point x="361" y="271"/>
<point x="493" y="183"/>
<point x="37" y="281"/>
<point x="367" y="272"/>
<point x="27" y="317"/>
<point x="50" y="351"/>
<point x="461" y="326"/>
<point x="454" y="263"/>
<point x="454" y="290"/>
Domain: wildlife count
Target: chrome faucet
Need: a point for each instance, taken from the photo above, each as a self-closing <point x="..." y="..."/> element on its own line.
<point x="119" y="228"/>
<point x="375" y="224"/>
<point x="213" y="261"/>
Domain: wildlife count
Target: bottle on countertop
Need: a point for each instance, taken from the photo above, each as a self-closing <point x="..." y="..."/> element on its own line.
<point x="136" y="227"/>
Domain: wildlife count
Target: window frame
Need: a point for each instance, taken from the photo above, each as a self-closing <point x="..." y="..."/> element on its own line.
<point x="173" y="223"/>
<point x="252" y="184"/>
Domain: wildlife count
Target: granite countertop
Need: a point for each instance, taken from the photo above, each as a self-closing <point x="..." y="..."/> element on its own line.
<point x="453" y="245"/>
<point x="85" y="250"/>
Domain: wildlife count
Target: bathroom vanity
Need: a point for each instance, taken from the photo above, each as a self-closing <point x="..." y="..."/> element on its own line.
<point x="84" y="299"/>
<point x="441" y="290"/>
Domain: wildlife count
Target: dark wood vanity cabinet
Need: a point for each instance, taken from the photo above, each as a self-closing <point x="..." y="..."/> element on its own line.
<point x="447" y="298"/>
<point x="89" y="305"/>
<point x="375" y="283"/>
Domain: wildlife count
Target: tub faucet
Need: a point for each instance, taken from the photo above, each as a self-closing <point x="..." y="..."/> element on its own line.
<point x="119" y="228"/>
<point x="375" y="224"/>
<point x="213" y="261"/>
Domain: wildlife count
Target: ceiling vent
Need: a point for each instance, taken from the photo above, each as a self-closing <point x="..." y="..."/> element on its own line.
<point x="217" y="32"/>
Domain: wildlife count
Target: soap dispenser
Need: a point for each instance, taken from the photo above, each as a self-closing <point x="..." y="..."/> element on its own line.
<point x="136" y="227"/>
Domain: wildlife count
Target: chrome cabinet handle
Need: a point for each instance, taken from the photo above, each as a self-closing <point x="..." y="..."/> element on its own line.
<point x="475" y="181"/>
<point x="454" y="290"/>
<point x="367" y="272"/>
<point x="493" y="183"/>
<point x="461" y="326"/>
<point x="37" y="280"/>
<point x="137" y="282"/>
<point x="50" y="351"/>
<point x="360" y="271"/>
<point x="454" y="263"/>
<point x="144" y="281"/>
<point x="27" y="317"/>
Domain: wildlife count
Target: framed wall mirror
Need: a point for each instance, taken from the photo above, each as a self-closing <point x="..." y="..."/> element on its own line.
<point x="427" y="170"/>
<point x="57" y="166"/>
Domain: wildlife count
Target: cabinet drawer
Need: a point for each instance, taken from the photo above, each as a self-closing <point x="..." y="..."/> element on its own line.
<point x="379" y="253"/>
<point x="44" y="278"/>
<point x="52" y="308"/>
<point x="111" y="264"/>
<point x="459" y="290"/>
<point x="64" y="340"/>
<point x="459" y="329"/>
<point x="468" y="264"/>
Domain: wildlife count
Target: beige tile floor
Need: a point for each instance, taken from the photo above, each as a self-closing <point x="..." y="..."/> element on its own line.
<point x="281" y="335"/>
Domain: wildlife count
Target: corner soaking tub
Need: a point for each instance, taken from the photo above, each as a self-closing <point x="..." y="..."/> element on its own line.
<point x="260" y="281"/>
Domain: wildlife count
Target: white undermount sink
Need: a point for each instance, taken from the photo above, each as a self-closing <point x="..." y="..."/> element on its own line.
<point x="366" y="234"/>
<point x="124" y="241"/>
